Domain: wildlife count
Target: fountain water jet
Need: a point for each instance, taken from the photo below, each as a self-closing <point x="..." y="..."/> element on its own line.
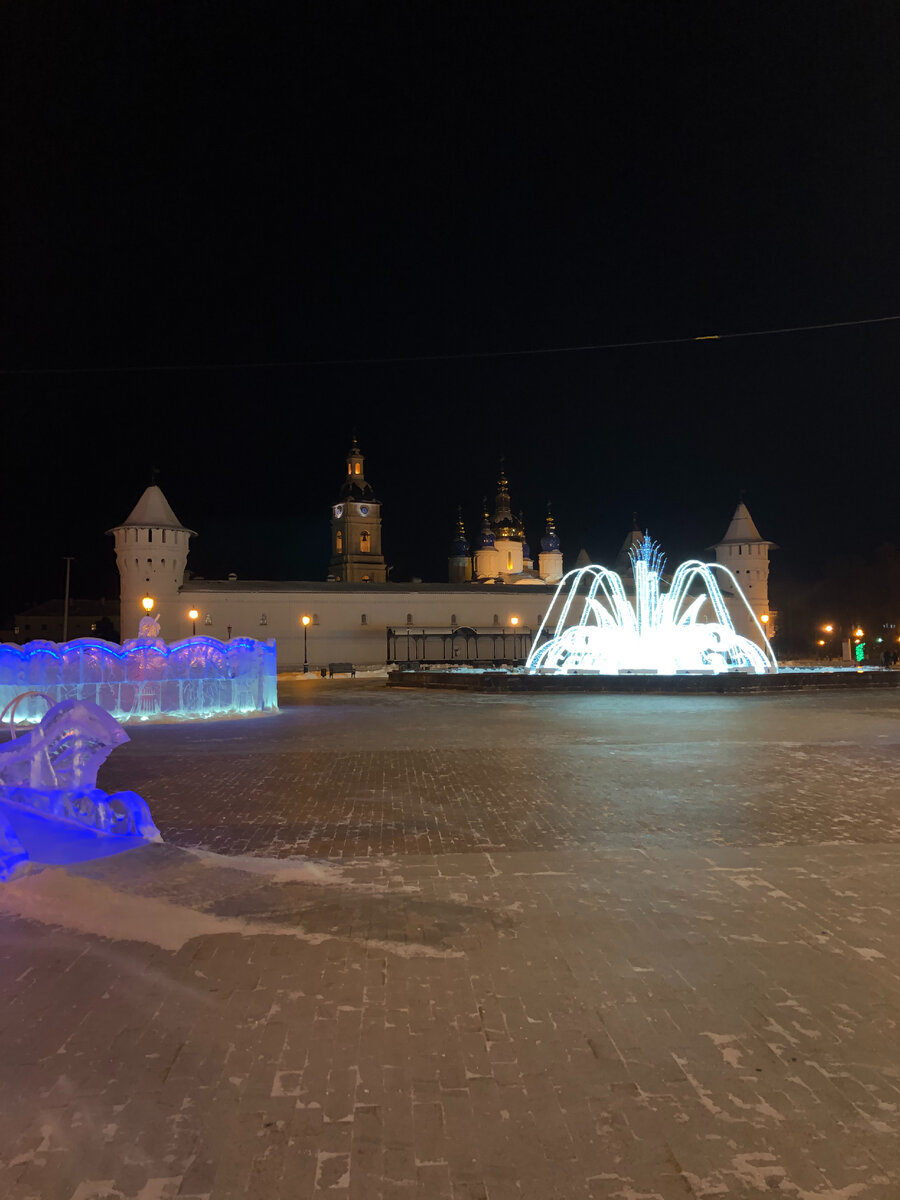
<point x="655" y="633"/>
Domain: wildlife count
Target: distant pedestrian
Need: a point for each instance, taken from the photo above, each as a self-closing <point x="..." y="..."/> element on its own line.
<point x="886" y="659"/>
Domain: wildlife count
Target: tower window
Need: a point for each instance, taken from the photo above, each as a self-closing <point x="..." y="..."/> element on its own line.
<point x="496" y="619"/>
<point x="149" y="535"/>
<point x="509" y="560"/>
<point x="339" y="541"/>
<point x="364" y="542"/>
<point x="409" y="618"/>
<point x="263" y="619"/>
<point x="163" y="536"/>
<point x="315" y="618"/>
<point x="356" y="470"/>
<point x="149" y="560"/>
<point x="162" y="562"/>
<point x="367" y="579"/>
<point x="740" y="549"/>
<point x="453" y="618"/>
<point x="363" y="620"/>
<point x="349" y="469"/>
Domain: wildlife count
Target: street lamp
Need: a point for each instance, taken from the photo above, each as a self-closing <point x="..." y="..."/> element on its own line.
<point x="765" y="622"/>
<point x="305" y="622"/>
<point x="192" y="617"/>
<point x="147" y="604"/>
<point x="513" y="620"/>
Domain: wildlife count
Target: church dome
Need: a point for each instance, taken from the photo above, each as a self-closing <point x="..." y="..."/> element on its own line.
<point x="459" y="547"/>
<point x="526" y="550"/>
<point x="486" y="537"/>
<point x="550" y="540"/>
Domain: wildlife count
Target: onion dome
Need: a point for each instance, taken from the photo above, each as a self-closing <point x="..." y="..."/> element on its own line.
<point x="550" y="540"/>
<point x="486" y="537"/>
<point x="504" y="523"/>
<point x="459" y="547"/>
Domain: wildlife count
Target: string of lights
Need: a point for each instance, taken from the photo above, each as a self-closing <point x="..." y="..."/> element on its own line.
<point x="275" y="364"/>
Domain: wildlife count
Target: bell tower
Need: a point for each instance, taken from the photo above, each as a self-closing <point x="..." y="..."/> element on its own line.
<point x="151" y="554"/>
<point x="356" y="555"/>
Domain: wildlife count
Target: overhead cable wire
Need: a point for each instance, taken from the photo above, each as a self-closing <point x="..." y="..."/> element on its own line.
<point x="276" y="364"/>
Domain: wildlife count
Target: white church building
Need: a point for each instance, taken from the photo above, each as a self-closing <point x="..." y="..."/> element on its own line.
<point x="487" y="612"/>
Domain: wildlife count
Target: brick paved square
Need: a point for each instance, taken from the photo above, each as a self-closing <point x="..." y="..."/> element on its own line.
<point x="434" y="945"/>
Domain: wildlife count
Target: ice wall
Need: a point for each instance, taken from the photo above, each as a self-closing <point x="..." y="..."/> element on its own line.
<point x="143" y="679"/>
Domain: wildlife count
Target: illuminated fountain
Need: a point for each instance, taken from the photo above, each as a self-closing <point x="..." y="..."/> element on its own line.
<point x="144" y="678"/>
<point x="597" y="629"/>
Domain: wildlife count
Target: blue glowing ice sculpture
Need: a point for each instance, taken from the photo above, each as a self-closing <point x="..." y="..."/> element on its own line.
<point x="598" y="629"/>
<point x="48" y="781"/>
<point x="144" y="678"/>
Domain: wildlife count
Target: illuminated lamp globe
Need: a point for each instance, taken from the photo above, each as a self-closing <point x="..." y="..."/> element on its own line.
<point x="193" y="615"/>
<point x="147" y="604"/>
<point x="304" y="620"/>
<point x="513" y="620"/>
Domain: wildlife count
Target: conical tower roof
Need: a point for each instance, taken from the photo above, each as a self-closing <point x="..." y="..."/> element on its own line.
<point x="742" y="529"/>
<point x="154" y="510"/>
<point x="632" y="540"/>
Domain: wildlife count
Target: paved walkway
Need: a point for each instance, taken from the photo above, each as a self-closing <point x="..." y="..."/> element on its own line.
<point x="422" y="946"/>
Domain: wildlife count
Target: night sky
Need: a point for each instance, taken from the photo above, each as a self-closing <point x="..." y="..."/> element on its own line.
<point x="192" y="186"/>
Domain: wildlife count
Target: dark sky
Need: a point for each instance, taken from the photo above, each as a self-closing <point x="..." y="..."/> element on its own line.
<point x="196" y="184"/>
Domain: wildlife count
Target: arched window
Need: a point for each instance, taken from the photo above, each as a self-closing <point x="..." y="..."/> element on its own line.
<point x="315" y="618"/>
<point x="509" y="560"/>
<point x="149" y="535"/>
<point x="496" y="619"/>
<point x="349" y="469"/>
<point x="740" y="549"/>
<point x="149" y="560"/>
<point x="362" y="619"/>
<point x="208" y="619"/>
<point x="263" y="619"/>
<point x="356" y="469"/>
<point x="453" y="618"/>
<point x="409" y="618"/>
<point x="162" y="562"/>
<point x="364" y="542"/>
<point x="163" y="536"/>
<point x="339" y="541"/>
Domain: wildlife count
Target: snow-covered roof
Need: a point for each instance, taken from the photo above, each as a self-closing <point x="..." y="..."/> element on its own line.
<point x="153" y="509"/>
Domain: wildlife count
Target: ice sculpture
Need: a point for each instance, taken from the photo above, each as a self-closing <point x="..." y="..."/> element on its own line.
<point x="51" y="773"/>
<point x="598" y="629"/>
<point x="144" y="678"/>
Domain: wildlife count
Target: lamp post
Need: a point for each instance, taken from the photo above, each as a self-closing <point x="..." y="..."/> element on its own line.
<point x="765" y="624"/>
<point x="305" y="622"/>
<point x="192" y="616"/>
<point x="65" y="633"/>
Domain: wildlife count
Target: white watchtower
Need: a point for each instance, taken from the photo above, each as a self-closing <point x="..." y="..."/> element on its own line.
<point x="151" y="553"/>
<point x="746" y="554"/>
